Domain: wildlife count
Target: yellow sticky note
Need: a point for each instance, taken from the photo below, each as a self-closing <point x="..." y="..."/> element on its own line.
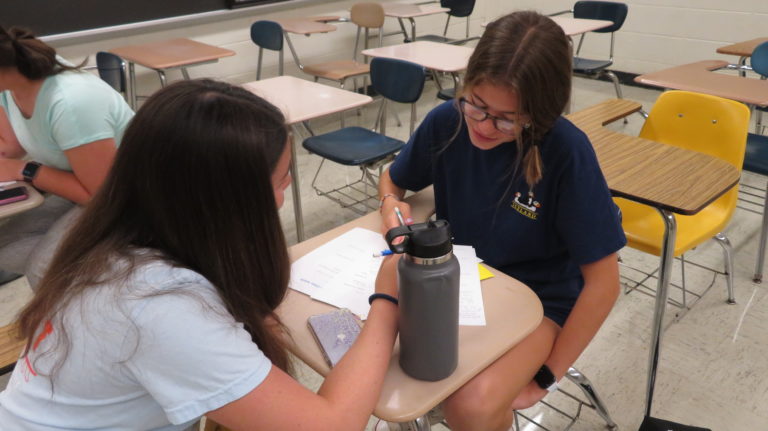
<point x="484" y="272"/>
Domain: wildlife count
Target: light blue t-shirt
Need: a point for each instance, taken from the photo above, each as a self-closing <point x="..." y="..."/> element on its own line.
<point x="72" y="109"/>
<point x="136" y="362"/>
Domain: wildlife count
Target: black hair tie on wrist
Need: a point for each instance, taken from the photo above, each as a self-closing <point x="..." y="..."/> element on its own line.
<point x="389" y="298"/>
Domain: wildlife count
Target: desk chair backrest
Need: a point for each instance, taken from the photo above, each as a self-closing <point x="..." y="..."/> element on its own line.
<point x="704" y="123"/>
<point x="268" y="35"/>
<point x="759" y="60"/>
<point x="367" y="16"/>
<point x="603" y="10"/>
<point x="397" y="80"/>
<point x="111" y="70"/>
<point x="459" y="8"/>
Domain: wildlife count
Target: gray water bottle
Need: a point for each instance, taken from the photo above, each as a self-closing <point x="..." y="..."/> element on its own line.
<point x="428" y="278"/>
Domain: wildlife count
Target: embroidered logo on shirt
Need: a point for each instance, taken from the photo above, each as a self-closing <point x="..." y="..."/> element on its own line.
<point x="526" y="206"/>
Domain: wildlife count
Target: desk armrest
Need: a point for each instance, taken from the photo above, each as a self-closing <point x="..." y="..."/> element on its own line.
<point x="603" y="113"/>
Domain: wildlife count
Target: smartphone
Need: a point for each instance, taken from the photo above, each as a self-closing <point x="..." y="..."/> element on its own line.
<point x="335" y="332"/>
<point x="13" y="195"/>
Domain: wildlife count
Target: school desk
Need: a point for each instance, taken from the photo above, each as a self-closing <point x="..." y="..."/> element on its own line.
<point x="742" y="49"/>
<point x="408" y="11"/>
<point x="301" y="100"/>
<point x="439" y="57"/>
<point x="575" y="26"/>
<point x="306" y="26"/>
<point x="33" y="200"/>
<point x="166" y="55"/>
<point x="671" y="179"/>
<point x="512" y="312"/>
<point x="701" y="77"/>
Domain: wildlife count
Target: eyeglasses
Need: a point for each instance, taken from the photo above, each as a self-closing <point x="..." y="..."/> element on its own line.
<point x="503" y="125"/>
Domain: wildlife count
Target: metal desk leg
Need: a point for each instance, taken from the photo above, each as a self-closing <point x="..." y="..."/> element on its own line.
<point x="405" y="32"/>
<point x="419" y="424"/>
<point x="132" y="83"/>
<point x="295" y="190"/>
<point x="185" y="73"/>
<point x="161" y="74"/>
<point x="742" y="62"/>
<point x="665" y="272"/>
<point x="413" y="29"/>
<point x="758" y="278"/>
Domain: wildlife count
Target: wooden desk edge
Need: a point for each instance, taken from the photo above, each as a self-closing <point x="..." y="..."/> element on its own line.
<point x="422" y="204"/>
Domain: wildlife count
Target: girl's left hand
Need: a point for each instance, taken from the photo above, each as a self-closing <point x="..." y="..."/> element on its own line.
<point x="530" y="395"/>
<point x="10" y="169"/>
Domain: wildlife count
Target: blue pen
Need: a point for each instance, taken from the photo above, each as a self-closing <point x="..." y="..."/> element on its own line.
<point x="382" y="253"/>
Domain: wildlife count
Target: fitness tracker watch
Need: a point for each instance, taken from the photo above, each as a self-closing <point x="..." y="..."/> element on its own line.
<point x="30" y="171"/>
<point x="546" y="379"/>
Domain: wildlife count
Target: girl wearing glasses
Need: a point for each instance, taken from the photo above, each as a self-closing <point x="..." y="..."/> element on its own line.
<point x="522" y="185"/>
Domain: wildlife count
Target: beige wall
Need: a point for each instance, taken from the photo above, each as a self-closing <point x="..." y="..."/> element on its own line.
<point x="657" y="33"/>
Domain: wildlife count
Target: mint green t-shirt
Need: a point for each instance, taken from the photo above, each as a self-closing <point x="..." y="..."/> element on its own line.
<point x="72" y="109"/>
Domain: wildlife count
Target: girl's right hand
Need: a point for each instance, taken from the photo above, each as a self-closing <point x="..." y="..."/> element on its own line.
<point x="389" y="218"/>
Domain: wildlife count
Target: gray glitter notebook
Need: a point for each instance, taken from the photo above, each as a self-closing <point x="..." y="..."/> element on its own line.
<point x="335" y="332"/>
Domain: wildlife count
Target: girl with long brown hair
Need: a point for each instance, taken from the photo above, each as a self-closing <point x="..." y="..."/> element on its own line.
<point x="59" y="130"/>
<point x="522" y="185"/>
<point x="159" y="305"/>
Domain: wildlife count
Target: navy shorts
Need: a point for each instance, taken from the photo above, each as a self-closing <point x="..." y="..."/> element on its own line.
<point x="557" y="302"/>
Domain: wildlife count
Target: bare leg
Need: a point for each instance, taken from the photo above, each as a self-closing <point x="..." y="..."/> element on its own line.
<point x="484" y="403"/>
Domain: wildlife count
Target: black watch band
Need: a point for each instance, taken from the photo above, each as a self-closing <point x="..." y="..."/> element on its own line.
<point x="30" y="171"/>
<point x="545" y="378"/>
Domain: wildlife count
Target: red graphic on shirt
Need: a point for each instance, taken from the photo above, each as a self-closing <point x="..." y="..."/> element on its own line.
<point x="28" y="371"/>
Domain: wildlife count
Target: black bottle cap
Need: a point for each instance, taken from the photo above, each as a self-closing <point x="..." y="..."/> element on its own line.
<point x="424" y="240"/>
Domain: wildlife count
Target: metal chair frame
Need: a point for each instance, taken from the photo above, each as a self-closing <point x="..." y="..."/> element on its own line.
<point x="593" y="401"/>
<point x="361" y="196"/>
<point x="604" y="70"/>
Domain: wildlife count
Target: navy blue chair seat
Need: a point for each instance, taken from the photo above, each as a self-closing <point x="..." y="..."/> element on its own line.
<point x="396" y="80"/>
<point x="589" y="66"/>
<point x="353" y="146"/>
<point x="446" y="94"/>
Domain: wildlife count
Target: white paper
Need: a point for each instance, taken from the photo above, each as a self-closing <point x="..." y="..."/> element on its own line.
<point x="471" y="310"/>
<point x="343" y="272"/>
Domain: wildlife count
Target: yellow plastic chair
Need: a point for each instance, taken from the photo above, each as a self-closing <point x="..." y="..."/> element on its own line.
<point x="707" y="124"/>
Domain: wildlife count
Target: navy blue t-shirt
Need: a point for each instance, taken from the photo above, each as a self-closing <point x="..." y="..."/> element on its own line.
<point x="538" y="236"/>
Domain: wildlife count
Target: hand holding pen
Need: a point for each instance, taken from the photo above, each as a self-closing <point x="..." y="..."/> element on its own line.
<point x="395" y="213"/>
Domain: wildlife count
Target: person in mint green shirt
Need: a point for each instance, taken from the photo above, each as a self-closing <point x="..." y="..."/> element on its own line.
<point x="59" y="129"/>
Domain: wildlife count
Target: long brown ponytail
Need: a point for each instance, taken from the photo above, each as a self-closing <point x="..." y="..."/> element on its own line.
<point x="33" y="58"/>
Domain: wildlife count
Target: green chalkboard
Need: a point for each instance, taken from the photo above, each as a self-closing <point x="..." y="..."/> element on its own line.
<point x="48" y="17"/>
